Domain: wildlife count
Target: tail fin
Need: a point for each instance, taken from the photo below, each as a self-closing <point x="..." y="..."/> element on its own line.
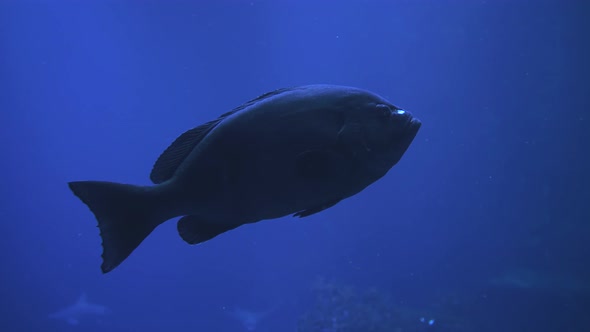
<point x="126" y="215"/>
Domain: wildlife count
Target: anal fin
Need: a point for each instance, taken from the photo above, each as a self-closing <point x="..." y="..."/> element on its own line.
<point x="194" y="230"/>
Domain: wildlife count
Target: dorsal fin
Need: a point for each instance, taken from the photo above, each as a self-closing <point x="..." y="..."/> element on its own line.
<point x="257" y="99"/>
<point x="168" y="162"/>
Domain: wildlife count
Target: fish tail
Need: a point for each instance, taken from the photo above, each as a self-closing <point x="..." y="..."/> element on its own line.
<point x="126" y="215"/>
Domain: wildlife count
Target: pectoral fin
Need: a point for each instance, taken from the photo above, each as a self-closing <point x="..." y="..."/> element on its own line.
<point x="315" y="209"/>
<point x="317" y="164"/>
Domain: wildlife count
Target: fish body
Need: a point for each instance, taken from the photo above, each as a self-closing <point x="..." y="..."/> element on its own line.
<point x="290" y="151"/>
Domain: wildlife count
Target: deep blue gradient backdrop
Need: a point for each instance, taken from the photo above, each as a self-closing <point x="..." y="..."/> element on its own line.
<point x="497" y="177"/>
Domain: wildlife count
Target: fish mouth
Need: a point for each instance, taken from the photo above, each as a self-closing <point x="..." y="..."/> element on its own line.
<point x="410" y="124"/>
<point x="411" y="129"/>
<point x="414" y="124"/>
<point x="404" y="127"/>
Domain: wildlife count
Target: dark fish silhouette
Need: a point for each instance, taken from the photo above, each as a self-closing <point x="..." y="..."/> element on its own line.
<point x="291" y="151"/>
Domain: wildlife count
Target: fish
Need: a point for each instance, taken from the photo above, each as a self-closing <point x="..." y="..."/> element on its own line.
<point x="292" y="151"/>
<point x="82" y="308"/>
<point x="249" y="318"/>
<point x="548" y="282"/>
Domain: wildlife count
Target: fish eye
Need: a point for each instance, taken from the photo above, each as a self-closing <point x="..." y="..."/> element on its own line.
<point x="384" y="110"/>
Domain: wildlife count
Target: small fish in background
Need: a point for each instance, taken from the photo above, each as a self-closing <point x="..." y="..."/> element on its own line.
<point x="248" y="318"/>
<point x="560" y="283"/>
<point x="293" y="151"/>
<point x="79" y="310"/>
